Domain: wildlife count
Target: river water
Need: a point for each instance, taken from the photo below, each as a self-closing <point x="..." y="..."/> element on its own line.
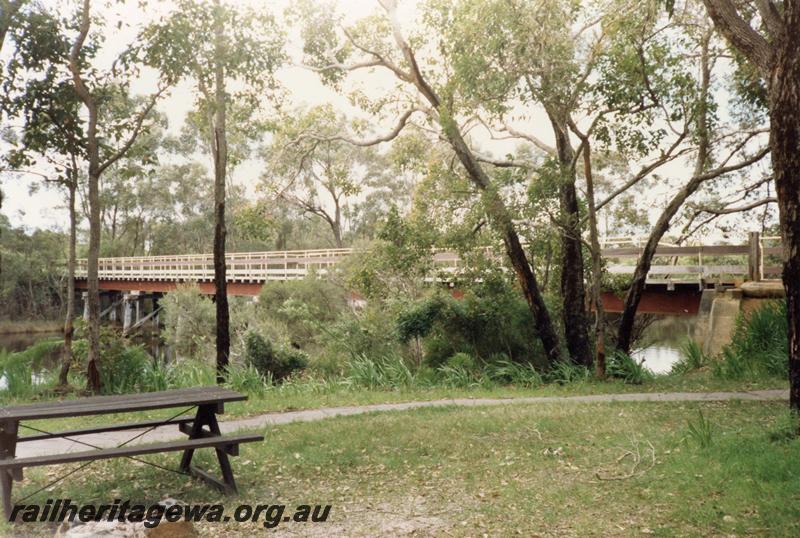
<point x="661" y="343"/>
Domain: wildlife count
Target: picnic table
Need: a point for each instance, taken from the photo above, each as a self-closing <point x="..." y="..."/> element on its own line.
<point x="201" y="428"/>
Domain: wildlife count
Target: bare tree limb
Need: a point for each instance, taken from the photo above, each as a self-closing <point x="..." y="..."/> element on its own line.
<point x="737" y="209"/>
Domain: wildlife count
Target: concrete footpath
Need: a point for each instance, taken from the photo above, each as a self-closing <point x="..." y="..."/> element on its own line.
<point x="167" y="433"/>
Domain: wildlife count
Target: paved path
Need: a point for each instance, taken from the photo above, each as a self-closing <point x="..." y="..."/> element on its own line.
<point x="36" y="448"/>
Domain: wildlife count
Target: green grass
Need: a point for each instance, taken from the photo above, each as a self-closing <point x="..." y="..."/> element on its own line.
<point x="500" y="471"/>
<point x="315" y="394"/>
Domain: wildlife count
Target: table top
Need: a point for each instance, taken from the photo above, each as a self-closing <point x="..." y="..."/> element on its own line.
<point x="123" y="403"/>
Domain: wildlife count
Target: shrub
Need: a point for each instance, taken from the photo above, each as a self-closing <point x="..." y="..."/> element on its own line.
<point x="301" y="307"/>
<point x="189" y="322"/>
<point x="759" y="347"/>
<point x="462" y="361"/>
<point x="270" y="363"/>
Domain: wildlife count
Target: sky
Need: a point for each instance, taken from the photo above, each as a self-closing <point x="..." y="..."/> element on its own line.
<point x="44" y="207"/>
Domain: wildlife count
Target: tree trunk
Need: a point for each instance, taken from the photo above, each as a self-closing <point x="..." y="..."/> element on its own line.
<point x="784" y="101"/>
<point x="337" y="225"/>
<point x="597" y="268"/>
<point x="92" y="373"/>
<point x="501" y="221"/>
<point x="634" y="296"/>
<point x="220" y="154"/>
<point x="66" y="360"/>
<point x="573" y="292"/>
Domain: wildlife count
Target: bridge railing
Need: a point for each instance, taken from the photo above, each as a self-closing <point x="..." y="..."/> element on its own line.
<point x="712" y="261"/>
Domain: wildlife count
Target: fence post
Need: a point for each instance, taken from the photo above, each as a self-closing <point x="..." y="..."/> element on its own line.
<point x="754" y="256"/>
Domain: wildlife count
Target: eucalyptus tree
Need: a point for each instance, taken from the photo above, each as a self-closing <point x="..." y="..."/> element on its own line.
<point x="9" y="17"/>
<point x="620" y="77"/>
<point x="106" y="143"/>
<point x="38" y="94"/>
<point x="772" y="48"/>
<point x="422" y="90"/>
<point x="229" y="55"/>
<point x="309" y="168"/>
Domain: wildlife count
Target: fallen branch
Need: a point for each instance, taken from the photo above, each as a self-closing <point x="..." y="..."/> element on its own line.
<point x="636" y="455"/>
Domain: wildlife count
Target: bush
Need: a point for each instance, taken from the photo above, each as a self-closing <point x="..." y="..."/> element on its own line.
<point x="270" y="363"/>
<point x="759" y="347"/>
<point x="189" y="322"/>
<point x="491" y="317"/>
<point x="302" y="308"/>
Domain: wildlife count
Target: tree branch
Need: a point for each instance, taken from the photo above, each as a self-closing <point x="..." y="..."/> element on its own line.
<point x="739" y="33"/>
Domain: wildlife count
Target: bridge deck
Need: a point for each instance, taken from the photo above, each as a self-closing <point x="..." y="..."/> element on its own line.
<point x="246" y="268"/>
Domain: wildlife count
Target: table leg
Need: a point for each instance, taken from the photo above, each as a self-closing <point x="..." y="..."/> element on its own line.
<point x="8" y="447"/>
<point x="206" y="416"/>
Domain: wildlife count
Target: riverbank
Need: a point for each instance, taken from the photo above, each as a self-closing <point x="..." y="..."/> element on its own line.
<point x="8" y="327"/>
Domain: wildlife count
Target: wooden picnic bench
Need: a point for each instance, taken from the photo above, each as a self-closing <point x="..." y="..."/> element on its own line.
<point x="201" y="428"/>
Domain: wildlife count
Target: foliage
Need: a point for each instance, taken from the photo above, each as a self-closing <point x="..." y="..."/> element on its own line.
<point x="700" y="431"/>
<point x="301" y="309"/>
<point x="189" y="321"/>
<point x="622" y="366"/>
<point x="506" y="372"/>
<point x="567" y="372"/>
<point x="30" y="285"/>
<point x="388" y="372"/>
<point x="396" y="263"/>
<point x="759" y="347"/>
<point x="490" y="318"/>
<point x="123" y="368"/>
<point x="692" y="358"/>
<point x="273" y="364"/>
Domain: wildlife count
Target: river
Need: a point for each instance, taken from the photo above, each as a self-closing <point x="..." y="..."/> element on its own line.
<point x="661" y="343"/>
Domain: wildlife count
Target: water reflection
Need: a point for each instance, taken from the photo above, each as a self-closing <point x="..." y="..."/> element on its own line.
<point x="661" y="343"/>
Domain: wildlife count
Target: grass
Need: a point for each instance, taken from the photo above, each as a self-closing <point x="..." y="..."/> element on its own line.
<point x="312" y="393"/>
<point x="498" y="471"/>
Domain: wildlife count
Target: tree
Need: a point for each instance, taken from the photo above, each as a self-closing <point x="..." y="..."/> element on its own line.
<point x="9" y="12"/>
<point x="99" y="156"/>
<point x="319" y="175"/>
<point x="216" y="46"/>
<point x="774" y="51"/>
<point x="38" y="93"/>
<point x="379" y="49"/>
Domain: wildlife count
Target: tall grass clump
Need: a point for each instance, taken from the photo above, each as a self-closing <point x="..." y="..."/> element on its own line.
<point x="18" y="371"/>
<point x="692" y="358"/>
<point x="700" y="431"/>
<point x="388" y="372"/>
<point x="507" y="372"/>
<point x="565" y="373"/>
<point x="623" y="366"/>
<point x="759" y="347"/>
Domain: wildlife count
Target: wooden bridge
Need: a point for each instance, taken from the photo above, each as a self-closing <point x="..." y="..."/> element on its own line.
<point x="674" y="267"/>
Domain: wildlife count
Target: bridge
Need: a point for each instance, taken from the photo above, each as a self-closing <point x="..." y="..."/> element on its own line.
<point x="673" y="284"/>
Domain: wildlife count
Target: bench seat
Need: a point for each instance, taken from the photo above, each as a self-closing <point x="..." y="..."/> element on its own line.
<point x="180" y="421"/>
<point x="132" y="450"/>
